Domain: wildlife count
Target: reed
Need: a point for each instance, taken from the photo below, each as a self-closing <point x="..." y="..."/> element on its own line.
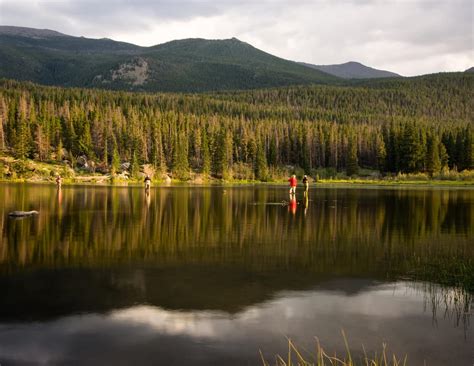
<point x="294" y="357"/>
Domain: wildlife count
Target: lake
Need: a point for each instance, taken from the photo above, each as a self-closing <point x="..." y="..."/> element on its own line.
<point x="212" y="275"/>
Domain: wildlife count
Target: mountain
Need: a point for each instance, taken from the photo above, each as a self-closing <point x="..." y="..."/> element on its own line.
<point x="29" y="32"/>
<point x="471" y="69"/>
<point x="352" y="70"/>
<point x="53" y="58"/>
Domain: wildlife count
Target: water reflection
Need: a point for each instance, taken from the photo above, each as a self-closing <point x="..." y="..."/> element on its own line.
<point x="209" y="275"/>
<point x="338" y="230"/>
<point x="369" y="312"/>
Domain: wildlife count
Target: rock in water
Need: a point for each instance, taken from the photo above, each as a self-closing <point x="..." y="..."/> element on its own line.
<point x="22" y="213"/>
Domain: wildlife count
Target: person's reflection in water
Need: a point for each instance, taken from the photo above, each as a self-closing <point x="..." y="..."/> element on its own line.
<point x="59" y="200"/>
<point x="306" y="202"/>
<point x="292" y="204"/>
<point x="59" y="194"/>
<point x="147" y="197"/>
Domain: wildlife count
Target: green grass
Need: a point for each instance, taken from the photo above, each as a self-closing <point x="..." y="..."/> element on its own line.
<point x="14" y="170"/>
<point x="396" y="182"/>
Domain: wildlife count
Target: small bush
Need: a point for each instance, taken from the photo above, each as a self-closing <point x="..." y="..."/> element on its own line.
<point x="242" y="171"/>
<point x="325" y="173"/>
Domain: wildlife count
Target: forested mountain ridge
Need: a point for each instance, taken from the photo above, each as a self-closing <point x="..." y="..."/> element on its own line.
<point x="196" y="65"/>
<point x="415" y="125"/>
<point x="353" y="70"/>
<point x="441" y="98"/>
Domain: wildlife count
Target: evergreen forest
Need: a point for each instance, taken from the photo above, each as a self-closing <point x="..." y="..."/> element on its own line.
<point x="410" y="125"/>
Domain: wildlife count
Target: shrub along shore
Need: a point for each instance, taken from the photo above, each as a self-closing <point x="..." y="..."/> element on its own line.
<point x="16" y="170"/>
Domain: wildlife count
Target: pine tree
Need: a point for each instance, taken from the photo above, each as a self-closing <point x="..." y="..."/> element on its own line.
<point x="135" y="167"/>
<point x="411" y="153"/>
<point x="22" y="133"/>
<point x="223" y="155"/>
<point x="443" y="156"/>
<point x="158" y="160"/>
<point x="392" y="144"/>
<point x="306" y="155"/>
<point x="41" y="143"/>
<point x="433" y="162"/>
<point x="115" y="161"/>
<point x="2" y="134"/>
<point x="206" y="155"/>
<point x="181" y="162"/>
<point x="59" y="150"/>
<point x="272" y="153"/>
<point x="261" y="169"/>
<point x="85" y="141"/>
<point x="380" y="154"/>
<point x="468" y="149"/>
<point x="251" y="150"/>
<point x="449" y="143"/>
<point x="3" y="118"/>
<point x="352" y="167"/>
<point x="459" y="152"/>
<point x="105" y="150"/>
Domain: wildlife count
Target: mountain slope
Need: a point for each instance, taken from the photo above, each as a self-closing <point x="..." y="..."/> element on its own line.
<point x="471" y="69"/>
<point x="52" y="58"/>
<point x="353" y="70"/>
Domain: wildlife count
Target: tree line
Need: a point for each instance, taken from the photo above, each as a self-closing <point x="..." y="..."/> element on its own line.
<point x="418" y="125"/>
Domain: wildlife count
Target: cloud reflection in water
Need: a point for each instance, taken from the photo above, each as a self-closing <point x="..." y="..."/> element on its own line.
<point x="393" y="313"/>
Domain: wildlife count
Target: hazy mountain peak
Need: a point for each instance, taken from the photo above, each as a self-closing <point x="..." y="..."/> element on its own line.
<point x="29" y="32"/>
<point x="353" y="70"/>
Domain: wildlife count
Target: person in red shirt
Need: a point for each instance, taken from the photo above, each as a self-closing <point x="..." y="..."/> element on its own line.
<point x="293" y="183"/>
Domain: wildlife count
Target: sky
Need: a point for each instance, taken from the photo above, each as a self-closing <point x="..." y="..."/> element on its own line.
<point x="410" y="37"/>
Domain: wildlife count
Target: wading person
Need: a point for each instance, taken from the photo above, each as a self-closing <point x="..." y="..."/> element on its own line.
<point x="306" y="184"/>
<point x="293" y="183"/>
<point x="58" y="181"/>
<point x="147" y="182"/>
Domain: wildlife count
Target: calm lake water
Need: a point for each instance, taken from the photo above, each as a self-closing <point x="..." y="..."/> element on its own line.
<point x="212" y="275"/>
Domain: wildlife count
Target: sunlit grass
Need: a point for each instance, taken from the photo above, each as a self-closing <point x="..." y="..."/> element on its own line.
<point x="294" y="357"/>
<point x="15" y="170"/>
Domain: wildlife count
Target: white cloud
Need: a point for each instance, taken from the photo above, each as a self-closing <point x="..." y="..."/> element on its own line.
<point x="405" y="36"/>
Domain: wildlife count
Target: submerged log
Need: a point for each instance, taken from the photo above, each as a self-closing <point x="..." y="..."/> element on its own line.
<point x="22" y="213"/>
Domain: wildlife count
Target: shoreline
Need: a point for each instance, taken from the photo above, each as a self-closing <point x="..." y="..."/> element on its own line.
<point x="35" y="172"/>
<point x="104" y="181"/>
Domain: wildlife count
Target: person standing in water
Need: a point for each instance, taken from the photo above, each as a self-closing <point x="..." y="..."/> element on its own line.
<point x="293" y="183"/>
<point x="147" y="182"/>
<point x="306" y="185"/>
<point x="58" y="181"/>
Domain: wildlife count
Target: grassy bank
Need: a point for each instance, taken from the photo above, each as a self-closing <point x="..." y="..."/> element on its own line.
<point x="394" y="182"/>
<point x="15" y="170"/>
